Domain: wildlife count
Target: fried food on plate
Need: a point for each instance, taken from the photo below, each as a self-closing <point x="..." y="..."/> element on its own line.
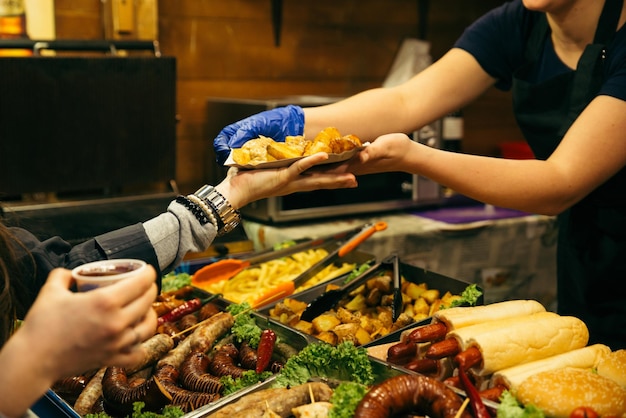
<point x="264" y="149"/>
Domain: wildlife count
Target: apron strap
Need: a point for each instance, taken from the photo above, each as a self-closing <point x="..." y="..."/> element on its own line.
<point x="589" y="72"/>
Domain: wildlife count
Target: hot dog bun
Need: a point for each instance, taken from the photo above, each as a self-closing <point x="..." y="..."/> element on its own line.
<point x="583" y="358"/>
<point x="508" y="342"/>
<point x="465" y="316"/>
<point x="613" y="366"/>
<point x="558" y="392"/>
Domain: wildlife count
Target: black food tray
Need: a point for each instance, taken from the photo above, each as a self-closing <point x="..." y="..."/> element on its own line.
<point x="410" y="273"/>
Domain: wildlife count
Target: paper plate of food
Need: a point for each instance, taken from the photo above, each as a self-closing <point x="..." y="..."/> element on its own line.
<point x="265" y="152"/>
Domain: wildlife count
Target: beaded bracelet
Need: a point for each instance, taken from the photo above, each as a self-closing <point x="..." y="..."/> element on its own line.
<point x="207" y="211"/>
<point x="197" y="211"/>
<point x="224" y="211"/>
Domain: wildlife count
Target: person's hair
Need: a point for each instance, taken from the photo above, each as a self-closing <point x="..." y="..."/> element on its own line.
<point x="8" y="300"/>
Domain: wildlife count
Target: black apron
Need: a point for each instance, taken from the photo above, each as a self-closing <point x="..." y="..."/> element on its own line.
<point x="591" y="252"/>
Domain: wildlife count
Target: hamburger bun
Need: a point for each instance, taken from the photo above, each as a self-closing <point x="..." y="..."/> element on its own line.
<point x="558" y="392"/>
<point x="613" y="366"/>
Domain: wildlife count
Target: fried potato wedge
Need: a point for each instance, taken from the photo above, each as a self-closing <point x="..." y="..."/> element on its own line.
<point x="282" y="151"/>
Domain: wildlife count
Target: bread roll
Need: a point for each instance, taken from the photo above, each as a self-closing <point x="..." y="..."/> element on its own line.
<point x="583" y="358"/>
<point x="464" y="316"/>
<point x="558" y="392"/>
<point x="613" y="366"/>
<point x="508" y="342"/>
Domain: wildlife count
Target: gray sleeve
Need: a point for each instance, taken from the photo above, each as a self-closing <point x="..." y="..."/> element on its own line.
<point x="176" y="233"/>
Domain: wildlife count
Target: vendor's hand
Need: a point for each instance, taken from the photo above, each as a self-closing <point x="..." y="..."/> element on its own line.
<point x="244" y="186"/>
<point x="386" y="153"/>
<point x="76" y="332"/>
<point x="275" y="123"/>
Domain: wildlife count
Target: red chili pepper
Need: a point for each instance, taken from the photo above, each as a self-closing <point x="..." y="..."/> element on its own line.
<point x="265" y="349"/>
<point x="476" y="402"/>
<point x="190" y="306"/>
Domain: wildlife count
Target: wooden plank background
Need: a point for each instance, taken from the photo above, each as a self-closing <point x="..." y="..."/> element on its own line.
<point x="328" y="47"/>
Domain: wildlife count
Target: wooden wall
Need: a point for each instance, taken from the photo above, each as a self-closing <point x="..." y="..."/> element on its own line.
<point x="327" y="47"/>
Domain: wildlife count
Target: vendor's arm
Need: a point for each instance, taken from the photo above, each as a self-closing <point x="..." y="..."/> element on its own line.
<point x="445" y="86"/>
<point x="591" y="152"/>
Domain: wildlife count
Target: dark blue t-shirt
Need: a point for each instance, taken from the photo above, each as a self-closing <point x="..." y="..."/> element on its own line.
<point x="498" y="40"/>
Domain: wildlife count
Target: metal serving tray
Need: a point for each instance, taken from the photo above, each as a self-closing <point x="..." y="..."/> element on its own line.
<point x="355" y="256"/>
<point x="382" y="372"/>
<point x="53" y="406"/>
<point x="410" y="273"/>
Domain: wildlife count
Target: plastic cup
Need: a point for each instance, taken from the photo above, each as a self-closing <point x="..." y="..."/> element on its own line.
<point x="106" y="272"/>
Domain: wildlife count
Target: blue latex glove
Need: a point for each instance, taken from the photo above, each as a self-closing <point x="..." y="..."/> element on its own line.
<point x="275" y="123"/>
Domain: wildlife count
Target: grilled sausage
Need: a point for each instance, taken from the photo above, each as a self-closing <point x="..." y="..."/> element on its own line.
<point x="407" y="393"/>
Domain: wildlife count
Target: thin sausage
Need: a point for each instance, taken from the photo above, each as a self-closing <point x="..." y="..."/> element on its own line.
<point x="468" y="358"/>
<point x="423" y="366"/>
<point x="153" y="349"/>
<point x="90" y="395"/>
<point x="444" y="348"/>
<point x="206" y="334"/>
<point x="402" y="352"/>
<point x="429" y="333"/>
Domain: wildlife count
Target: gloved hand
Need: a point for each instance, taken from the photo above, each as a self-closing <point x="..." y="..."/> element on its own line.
<point x="275" y="123"/>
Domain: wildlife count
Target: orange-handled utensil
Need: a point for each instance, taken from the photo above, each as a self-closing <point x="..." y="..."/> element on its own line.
<point x="229" y="267"/>
<point x="287" y="288"/>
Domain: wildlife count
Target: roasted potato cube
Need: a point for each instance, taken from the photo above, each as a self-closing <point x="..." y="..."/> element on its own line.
<point x="402" y="321"/>
<point x="358" y="290"/>
<point x="384" y="316"/>
<point x="419" y="316"/>
<point x="448" y="301"/>
<point x="421" y="307"/>
<point x="373" y="297"/>
<point x="431" y="295"/>
<point x="414" y="290"/>
<point x="362" y="336"/>
<point x="347" y="317"/>
<point x="295" y="305"/>
<point x="328" y="336"/>
<point x="346" y="332"/>
<point x="325" y="322"/>
<point x="356" y="304"/>
<point x="436" y="305"/>
<point x="304" y="326"/>
<point x="382" y="283"/>
<point x="371" y="325"/>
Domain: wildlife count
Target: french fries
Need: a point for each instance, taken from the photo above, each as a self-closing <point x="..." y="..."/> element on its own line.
<point x="254" y="281"/>
<point x="264" y="149"/>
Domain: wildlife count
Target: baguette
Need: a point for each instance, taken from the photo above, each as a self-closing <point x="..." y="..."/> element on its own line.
<point x="465" y="316"/>
<point x="583" y="358"/>
<point x="508" y="342"/>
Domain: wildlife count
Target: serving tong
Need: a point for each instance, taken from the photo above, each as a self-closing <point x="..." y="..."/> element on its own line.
<point x="329" y="300"/>
<point x="229" y="267"/>
<point x="354" y="239"/>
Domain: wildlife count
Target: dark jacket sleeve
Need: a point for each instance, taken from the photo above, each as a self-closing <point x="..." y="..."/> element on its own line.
<point x="37" y="258"/>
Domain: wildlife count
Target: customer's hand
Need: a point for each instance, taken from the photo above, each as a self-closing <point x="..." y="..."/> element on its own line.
<point x="275" y="123"/>
<point x="241" y="187"/>
<point x="76" y="332"/>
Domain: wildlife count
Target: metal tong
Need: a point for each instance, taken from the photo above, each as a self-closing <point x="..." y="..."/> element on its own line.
<point x="287" y="288"/>
<point x="329" y="300"/>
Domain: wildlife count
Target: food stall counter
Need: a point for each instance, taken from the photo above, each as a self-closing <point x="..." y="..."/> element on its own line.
<point x="509" y="254"/>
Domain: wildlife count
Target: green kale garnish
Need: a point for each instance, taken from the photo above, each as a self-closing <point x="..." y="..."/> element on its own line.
<point x="343" y="362"/>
